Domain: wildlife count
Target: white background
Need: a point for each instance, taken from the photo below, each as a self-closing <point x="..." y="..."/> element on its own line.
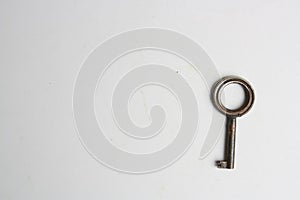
<point x="43" y="45"/>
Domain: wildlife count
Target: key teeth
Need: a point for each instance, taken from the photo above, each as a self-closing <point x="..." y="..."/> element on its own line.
<point x="221" y="164"/>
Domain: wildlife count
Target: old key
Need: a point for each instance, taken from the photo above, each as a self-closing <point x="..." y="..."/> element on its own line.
<point x="231" y="115"/>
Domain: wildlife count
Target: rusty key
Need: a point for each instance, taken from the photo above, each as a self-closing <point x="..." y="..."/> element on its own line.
<point x="231" y="115"/>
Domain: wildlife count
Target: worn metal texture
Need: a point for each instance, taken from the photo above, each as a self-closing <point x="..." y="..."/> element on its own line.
<point x="231" y="115"/>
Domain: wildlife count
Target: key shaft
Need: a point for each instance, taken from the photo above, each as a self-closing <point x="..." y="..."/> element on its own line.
<point x="228" y="163"/>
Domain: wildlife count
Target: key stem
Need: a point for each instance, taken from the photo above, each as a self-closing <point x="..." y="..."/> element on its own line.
<point x="230" y="143"/>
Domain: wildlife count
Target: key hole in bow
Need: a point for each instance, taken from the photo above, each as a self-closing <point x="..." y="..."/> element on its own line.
<point x="233" y="96"/>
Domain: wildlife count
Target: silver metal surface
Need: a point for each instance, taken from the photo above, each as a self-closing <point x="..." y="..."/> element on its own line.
<point x="231" y="115"/>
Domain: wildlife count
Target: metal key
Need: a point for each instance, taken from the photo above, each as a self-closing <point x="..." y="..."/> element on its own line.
<point x="231" y="115"/>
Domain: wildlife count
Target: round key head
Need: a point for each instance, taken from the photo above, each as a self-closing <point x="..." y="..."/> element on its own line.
<point x="248" y="92"/>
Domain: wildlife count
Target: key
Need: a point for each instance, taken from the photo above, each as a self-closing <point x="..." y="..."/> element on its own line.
<point x="231" y="115"/>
